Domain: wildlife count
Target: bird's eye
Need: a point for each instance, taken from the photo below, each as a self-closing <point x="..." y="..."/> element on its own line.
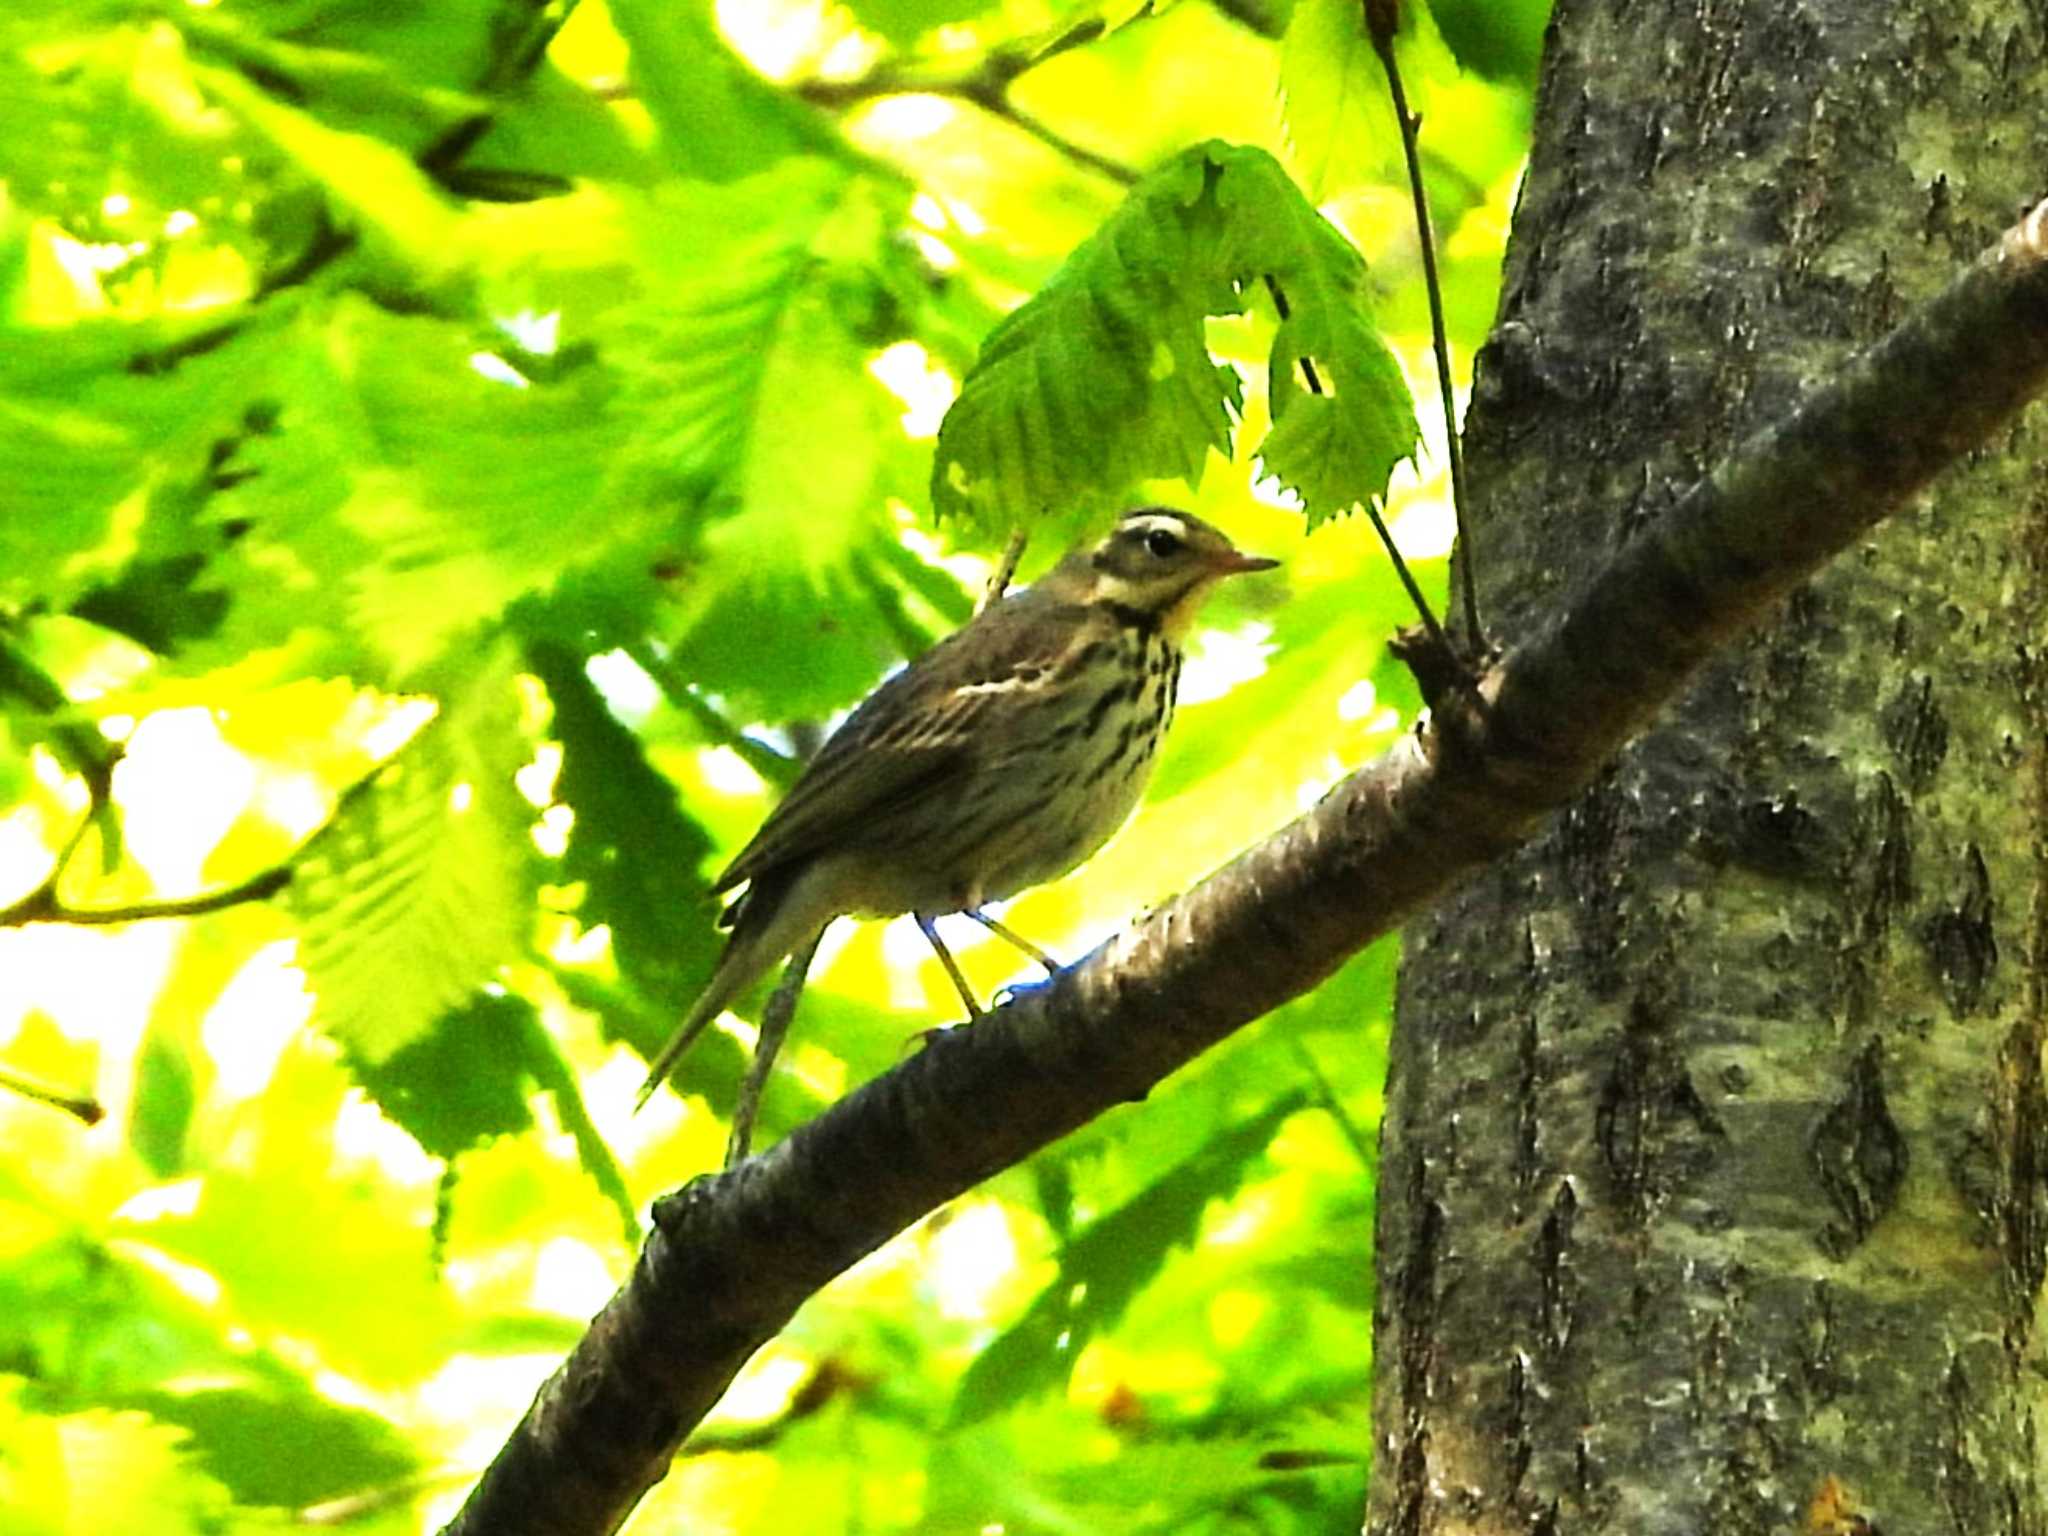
<point x="1159" y="543"/>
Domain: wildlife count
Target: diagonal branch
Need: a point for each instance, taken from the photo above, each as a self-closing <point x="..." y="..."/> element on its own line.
<point x="733" y="1255"/>
<point x="44" y="904"/>
<point x="986" y="84"/>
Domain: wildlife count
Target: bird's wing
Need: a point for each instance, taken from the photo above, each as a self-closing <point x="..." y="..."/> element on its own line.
<point x="911" y="736"/>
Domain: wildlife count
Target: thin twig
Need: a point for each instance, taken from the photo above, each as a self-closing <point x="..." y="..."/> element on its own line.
<point x="991" y="94"/>
<point x="830" y="1382"/>
<point x="1327" y="1100"/>
<point x="81" y="1107"/>
<point x="521" y="33"/>
<point x="1436" y="630"/>
<point x="1379" y="23"/>
<point x="1314" y="385"/>
<point x="985" y="84"/>
<point x="1006" y="569"/>
<point x="42" y="906"/>
<point x="1102" y="165"/>
<point x="776" y="767"/>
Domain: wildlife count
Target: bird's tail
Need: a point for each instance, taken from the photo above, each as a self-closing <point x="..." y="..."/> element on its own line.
<point x="762" y="934"/>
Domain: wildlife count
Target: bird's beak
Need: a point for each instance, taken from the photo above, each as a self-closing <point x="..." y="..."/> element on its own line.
<point x="1234" y="563"/>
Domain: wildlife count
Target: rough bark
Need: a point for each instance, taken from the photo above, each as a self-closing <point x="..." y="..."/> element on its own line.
<point x="733" y="1256"/>
<point x="1712" y="1168"/>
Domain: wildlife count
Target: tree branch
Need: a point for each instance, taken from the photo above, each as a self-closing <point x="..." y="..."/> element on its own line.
<point x="81" y="1107"/>
<point x="985" y="84"/>
<point x="42" y="906"/>
<point x="987" y="89"/>
<point x="733" y="1255"/>
<point x="776" y="767"/>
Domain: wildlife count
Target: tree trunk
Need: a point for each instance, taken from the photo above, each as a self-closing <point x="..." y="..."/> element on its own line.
<point x="1711" y="1186"/>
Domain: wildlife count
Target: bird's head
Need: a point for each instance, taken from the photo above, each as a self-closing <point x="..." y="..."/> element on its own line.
<point x="1157" y="563"/>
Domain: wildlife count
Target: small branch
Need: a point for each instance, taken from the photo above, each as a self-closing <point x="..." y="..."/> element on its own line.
<point x="1314" y="385"/>
<point x="42" y="905"/>
<point x="985" y="84"/>
<point x="518" y="45"/>
<point x="825" y="1386"/>
<point x="521" y="31"/>
<point x="734" y="1255"/>
<point x="328" y="244"/>
<point x="1326" y="1099"/>
<point x="1379" y="16"/>
<point x="81" y="1107"/>
<point x="86" y="752"/>
<point x="777" y="769"/>
<point x="1006" y="569"/>
<point x="1102" y="165"/>
<point x="988" y="92"/>
<point x="1436" y="631"/>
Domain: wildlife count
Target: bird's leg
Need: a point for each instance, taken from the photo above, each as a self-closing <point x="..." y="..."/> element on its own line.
<point x="930" y="929"/>
<point x="775" y="1020"/>
<point x="1052" y="966"/>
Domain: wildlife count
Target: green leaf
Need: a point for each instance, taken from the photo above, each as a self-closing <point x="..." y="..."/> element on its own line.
<point x="164" y="1100"/>
<point x="465" y="1080"/>
<point x="638" y="857"/>
<point x="90" y="447"/>
<point x="91" y="1326"/>
<point x="1336" y="445"/>
<point x="89" y="101"/>
<point x="551" y="126"/>
<point x="447" y="45"/>
<point x="719" y="120"/>
<point x="64" y="471"/>
<point x="403" y="499"/>
<point x="413" y="236"/>
<point x="1339" y="117"/>
<point x="279" y="1442"/>
<point x="347" y="88"/>
<point x="1102" y="1268"/>
<point x="83" y="1473"/>
<point x="470" y="1079"/>
<point x="1105" y="378"/>
<point x="752" y="400"/>
<point x="306" y="1245"/>
<point x="903" y="22"/>
<point x="417" y="890"/>
<point x="1500" y="39"/>
<point x="1342" y="131"/>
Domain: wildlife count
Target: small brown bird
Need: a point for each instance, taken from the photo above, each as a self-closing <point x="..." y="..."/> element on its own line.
<point x="1000" y="759"/>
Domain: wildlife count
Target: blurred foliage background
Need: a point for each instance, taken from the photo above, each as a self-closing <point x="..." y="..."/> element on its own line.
<point x="455" y="457"/>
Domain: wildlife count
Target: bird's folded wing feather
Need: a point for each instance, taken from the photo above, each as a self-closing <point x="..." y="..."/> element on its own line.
<point x="911" y="737"/>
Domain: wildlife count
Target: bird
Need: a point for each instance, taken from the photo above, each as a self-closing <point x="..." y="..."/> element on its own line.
<point x="998" y="760"/>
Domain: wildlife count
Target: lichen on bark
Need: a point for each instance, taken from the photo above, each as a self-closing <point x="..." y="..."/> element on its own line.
<point x="1713" y="1155"/>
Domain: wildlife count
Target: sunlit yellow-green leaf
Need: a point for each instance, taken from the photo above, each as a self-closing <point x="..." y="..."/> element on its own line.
<point x="80" y="1473"/>
<point x="415" y="893"/>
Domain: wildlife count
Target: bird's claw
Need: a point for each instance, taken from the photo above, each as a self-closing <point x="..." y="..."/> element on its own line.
<point x="1017" y="991"/>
